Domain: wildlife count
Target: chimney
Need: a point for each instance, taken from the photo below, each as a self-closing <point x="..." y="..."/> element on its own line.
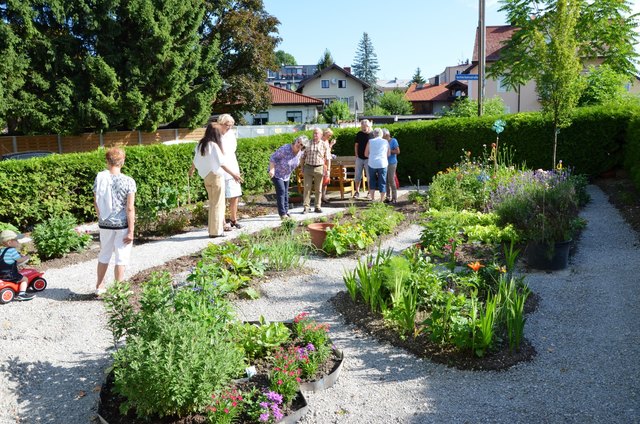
<point x="348" y="69"/>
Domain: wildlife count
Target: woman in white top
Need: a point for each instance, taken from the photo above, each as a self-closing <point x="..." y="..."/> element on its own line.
<point x="232" y="189"/>
<point x="377" y="151"/>
<point x="210" y="161"/>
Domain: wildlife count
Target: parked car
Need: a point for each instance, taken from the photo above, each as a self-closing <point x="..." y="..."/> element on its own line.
<point x="25" y="155"/>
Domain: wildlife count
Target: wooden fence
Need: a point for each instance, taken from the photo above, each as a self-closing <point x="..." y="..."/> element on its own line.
<point x="91" y="141"/>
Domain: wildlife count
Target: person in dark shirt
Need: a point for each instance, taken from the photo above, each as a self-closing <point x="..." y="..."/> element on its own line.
<point x="362" y="139"/>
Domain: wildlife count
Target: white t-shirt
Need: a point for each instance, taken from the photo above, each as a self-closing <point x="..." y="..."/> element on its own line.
<point x="229" y="145"/>
<point x="378" y="149"/>
<point x="210" y="162"/>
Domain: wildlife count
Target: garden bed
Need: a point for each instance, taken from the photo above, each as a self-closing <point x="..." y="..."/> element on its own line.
<point x="359" y="314"/>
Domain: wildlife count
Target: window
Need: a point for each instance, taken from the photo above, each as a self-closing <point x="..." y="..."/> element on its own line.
<point x="502" y="87"/>
<point x="294" y="116"/>
<point x="327" y="102"/>
<point x="342" y="83"/>
<point x="325" y="83"/>
<point x="261" y="118"/>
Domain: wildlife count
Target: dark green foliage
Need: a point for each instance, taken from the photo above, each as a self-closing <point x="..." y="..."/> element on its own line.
<point x="336" y="111"/>
<point x="632" y="149"/>
<point x="247" y="37"/>
<point x="103" y="64"/>
<point x="394" y="103"/>
<point x="417" y="77"/>
<point x="365" y="66"/>
<point x="284" y="58"/>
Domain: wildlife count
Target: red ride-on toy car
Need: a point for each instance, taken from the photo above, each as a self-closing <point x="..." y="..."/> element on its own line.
<point x="9" y="289"/>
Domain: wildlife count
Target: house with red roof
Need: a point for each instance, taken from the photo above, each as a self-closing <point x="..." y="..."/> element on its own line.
<point x="287" y="106"/>
<point x="523" y="100"/>
<point x="431" y="99"/>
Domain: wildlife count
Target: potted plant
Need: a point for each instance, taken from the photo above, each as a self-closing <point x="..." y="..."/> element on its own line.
<point x="543" y="207"/>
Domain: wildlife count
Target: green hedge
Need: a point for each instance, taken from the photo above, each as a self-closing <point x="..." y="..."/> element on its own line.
<point x="39" y="188"/>
<point x="593" y="144"/>
<point x="632" y="149"/>
<point x="598" y="140"/>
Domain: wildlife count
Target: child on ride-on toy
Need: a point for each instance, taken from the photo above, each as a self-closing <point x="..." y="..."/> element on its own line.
<point x="9" y="260"/>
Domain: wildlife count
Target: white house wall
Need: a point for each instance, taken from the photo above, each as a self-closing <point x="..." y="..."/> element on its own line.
<point x="526" y="101"/>
<point x="353" y="91"/>
<point x="279" y="113"/>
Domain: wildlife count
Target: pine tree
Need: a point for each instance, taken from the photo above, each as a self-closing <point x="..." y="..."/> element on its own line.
<point x="326" y="60"/>
<point x="417" y="78"/>
<point x="365" y="66"/>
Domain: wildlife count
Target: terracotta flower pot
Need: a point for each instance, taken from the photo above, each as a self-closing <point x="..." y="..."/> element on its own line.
<point x="318" y="232"/>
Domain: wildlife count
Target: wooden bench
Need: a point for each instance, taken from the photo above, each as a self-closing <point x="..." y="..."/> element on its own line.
<point x="341" y="176"/>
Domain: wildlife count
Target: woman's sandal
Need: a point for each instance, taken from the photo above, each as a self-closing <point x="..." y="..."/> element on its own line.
<point x="235" y="224"/>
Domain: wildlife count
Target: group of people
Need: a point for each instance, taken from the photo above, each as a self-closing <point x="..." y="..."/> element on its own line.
<point x="216" y="162"/>
<point x="315" y="156"/>
<point x="377" y="155"/>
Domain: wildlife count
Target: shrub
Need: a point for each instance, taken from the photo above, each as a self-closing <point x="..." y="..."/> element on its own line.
<point x="58" y="236"/>
<point x="541" y="205"/>
<point x="179" y="351"/>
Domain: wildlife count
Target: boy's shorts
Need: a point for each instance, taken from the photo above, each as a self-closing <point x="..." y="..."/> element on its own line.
<point x="113" y="241"/>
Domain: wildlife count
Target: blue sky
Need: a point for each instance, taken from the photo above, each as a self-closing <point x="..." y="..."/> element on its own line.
<point x="406" y="34"/>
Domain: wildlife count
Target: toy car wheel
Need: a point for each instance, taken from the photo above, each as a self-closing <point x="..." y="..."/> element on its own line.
<point x="6" y="295"/>
<point x="39" y="284"/>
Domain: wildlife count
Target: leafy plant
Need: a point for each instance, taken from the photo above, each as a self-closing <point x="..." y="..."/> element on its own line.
<point x="260" y="339"/>
<point x="541" y="205"/>
<point x="120" y="311"/>
<point x="179" y="352"/>
<point x="310" y="331"/>
<point x="57" y="237"/>
<point x="344" y="237"/>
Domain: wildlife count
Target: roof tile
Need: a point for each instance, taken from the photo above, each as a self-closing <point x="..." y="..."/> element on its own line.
<point x="281" y="96"/>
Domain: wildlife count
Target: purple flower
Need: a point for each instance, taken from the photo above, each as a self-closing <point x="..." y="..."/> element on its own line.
<point x="274" y="397"/>
<point x="264" y="404"/>
<point x="264" y="417"/>
<point x="277" y="413"/>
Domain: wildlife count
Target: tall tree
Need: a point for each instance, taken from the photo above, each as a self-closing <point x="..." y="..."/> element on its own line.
<point x="604" y="29"/>
<point x="284" y="58"/>
<point x="558" y="81"/>
<point x="247" y="40"/>
<point x="326" y="60"/>
<point x="165" y="72"/>
<point x="105" y="64"/>
<point x="554" y="37"/>
<point x="417" y="78"/>
<point x="365" y="66"/>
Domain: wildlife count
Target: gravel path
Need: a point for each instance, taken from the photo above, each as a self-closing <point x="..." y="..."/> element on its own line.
<point x="54" y="350"/>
